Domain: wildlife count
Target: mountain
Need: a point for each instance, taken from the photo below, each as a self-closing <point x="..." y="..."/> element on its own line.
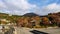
<point x="30" y="14"/>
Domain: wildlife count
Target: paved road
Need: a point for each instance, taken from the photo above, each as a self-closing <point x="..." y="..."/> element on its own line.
<point x="37" y="31"/>
<point x="51" y="30"/>
<point x="22" y="31"/>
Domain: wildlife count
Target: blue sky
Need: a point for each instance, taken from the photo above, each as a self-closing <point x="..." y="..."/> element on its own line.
<point x="43" y="2"/>
<point x="21" y="7"/>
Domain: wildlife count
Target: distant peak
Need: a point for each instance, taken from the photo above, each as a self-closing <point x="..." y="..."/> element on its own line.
<point x="30" y="14"/>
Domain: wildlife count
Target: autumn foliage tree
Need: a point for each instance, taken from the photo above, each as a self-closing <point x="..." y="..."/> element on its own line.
<point x="54" y="18"/>
<point x="45" y="21"/>
<point x="36" y="20"/>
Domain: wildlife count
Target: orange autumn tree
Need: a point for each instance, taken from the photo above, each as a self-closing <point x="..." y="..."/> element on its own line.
<point x="20" y="22"/>
<point x="45" y="21"/>
<point x="54" y="18"/>
<point x="26" y="21"/>
<point x="37" y="20"/>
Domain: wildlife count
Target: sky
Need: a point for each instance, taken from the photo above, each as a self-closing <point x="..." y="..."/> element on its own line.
<point x="21" y="7"/>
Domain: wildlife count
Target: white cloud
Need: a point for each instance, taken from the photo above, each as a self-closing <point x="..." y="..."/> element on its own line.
<point x="51" y="8"/>
<point x="19" y="7"/>
<point x="22" y="4"/>
<point x="2" y="5"/>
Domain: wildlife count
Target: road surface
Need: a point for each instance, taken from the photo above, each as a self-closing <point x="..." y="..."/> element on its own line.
<point x="37" y="31"/>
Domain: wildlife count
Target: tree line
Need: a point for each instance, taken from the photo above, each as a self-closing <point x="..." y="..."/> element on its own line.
<point x="50" y="20"/>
